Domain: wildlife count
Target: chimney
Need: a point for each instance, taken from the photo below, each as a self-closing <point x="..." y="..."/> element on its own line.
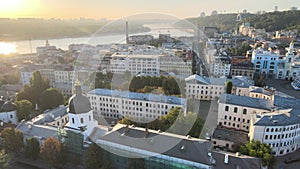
<point x="126" y="32"/>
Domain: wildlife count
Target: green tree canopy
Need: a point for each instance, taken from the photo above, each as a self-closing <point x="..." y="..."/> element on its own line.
<point x="24" y="108"/>
<point x="260" y="150"/>
<point x="33" y="91"/>
<point x="228" y="87"/>
<point x="32" y="148"/>
<point x="13" y="139"/>
<point x="51" y="98"/>
<point x="175" y="122"/>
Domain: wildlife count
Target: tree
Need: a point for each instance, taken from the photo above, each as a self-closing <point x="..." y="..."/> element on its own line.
<point x="32" y="148"/>
<point x="33" y="91"/>
<point x="51" y="98"/>
<point x="24" y="108"/>
<point x="38" y="84"/>
<point x="4" y="160"/>
<point x="13" y="139"/>
<point x="228" y="87"/>
<point x="51" y="151"/>
<point x="93" y="157"/>
<point x="260" y="150"/>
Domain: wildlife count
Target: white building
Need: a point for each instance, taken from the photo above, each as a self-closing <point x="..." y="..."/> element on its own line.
<point x="235" y="111"/>
<point x="55" y="117"/>
<point x="204" y="88"/>
<point x="289" y="66"/>
<point x="221" y="66"/>
<point x="279" y="129"/>
<point x="80" y="113"/>
<point x="240" y="85"/>
<point x="265" y="62"/>
<point x="137" y="106"/>
<point x="8" y="112"/>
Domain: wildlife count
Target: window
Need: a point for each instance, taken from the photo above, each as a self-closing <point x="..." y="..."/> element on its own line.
<point x="266" y="137"/>
<point x="235" y="110"/>
<point x="245" y="111"/>
<point x="225" y="117"/>
<point x="81" y="120"/>
<point x="11" y="116"/>
<point x="73" y="120"/>
<point x="226" y="108"/>
<point x="90" y="118"/>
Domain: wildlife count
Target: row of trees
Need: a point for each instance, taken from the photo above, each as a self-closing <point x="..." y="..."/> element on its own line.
<point x="241" y="50"/>
<point x="37" y="93"/>
<point x="175" y="122"/>
<point x="169" y="85"/>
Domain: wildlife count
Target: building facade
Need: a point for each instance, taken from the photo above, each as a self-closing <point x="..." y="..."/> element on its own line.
<point x="204" y="88"/>
<point x="137" y="106"/>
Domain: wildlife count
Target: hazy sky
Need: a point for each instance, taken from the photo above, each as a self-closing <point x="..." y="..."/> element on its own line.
<point x="112" y="9"/>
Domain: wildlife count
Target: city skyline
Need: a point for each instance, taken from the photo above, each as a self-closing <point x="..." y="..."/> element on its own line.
<point x="115" y="9"/>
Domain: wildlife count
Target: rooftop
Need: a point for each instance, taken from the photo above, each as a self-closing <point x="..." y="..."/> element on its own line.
<point x="206" y="80"/>
<point x="230" y="135"/>
<point x="50" y="115"/>
<point x="138" y="96"/>
<point x="242" y="81"/>
<point x="235" y="161"/>
<point x="187" y="148"/>
<point x="246" y="101"/>
<point x="41" y="131"/>
<point x="281" y="119"/>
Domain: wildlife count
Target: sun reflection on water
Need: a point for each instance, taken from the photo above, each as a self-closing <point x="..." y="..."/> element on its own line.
<point x="7" y="48"/>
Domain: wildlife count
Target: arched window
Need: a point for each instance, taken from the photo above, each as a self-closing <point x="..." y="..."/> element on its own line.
<point x="226" y="108"/>
<point x="73" y="120"/>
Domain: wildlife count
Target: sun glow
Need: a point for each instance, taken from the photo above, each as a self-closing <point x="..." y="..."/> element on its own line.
<point x="7" y="48"/>
<point x="17" y="8"/>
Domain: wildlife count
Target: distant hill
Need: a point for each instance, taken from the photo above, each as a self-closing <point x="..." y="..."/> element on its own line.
<point x="271" y="21"/>
<point x="25" y="29"/>
<point x="221" y="21"/>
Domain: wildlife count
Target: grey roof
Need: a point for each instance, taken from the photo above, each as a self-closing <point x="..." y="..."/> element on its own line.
<point x="50" y="115"/>
<point x="195" y="150"/>
<point x="234" y="161"/>
<point x="206" y="80"/>
<point x="242" y="81"/>
<point x="280" y="119"/>
<point x="246" y="101"/>
<point x="7" y="107"/>
<point x="30" y="130"/>
<point x="285" y="102"/>
<point x="139" y="96"/>
<point x="230" y="135"/>
<point x="79" y="103"/>
<point x="261" y="90"/>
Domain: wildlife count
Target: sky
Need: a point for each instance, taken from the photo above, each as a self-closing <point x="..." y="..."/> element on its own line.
<point x="115" y="9"/>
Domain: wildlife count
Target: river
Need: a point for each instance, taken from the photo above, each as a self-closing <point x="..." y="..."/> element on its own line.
<point x="23" y="47"/>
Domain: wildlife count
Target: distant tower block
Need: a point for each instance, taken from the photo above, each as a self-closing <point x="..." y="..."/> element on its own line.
<point x="127" y="33"/>
<point x="276" y="8"/>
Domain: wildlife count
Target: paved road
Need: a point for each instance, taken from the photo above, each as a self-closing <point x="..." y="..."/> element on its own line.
<point x="283" y="86"/>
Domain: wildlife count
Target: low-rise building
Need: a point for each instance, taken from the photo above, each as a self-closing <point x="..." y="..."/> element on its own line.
<point x="8" y="112"/>
<point x="228" y="139"/>
<point x="240" y="85"/>
<point x="55" y="117"/>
